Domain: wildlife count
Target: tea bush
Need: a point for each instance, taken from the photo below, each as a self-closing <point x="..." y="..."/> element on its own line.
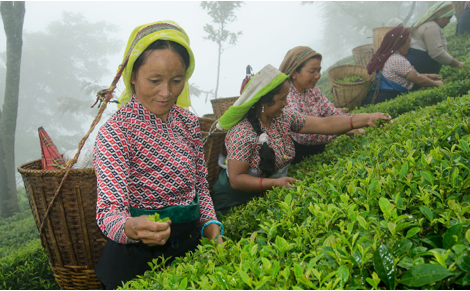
<point x="23" y="262"/>
<point x="393" y="213"/>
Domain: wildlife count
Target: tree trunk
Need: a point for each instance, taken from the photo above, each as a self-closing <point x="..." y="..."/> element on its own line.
<point x="13" y="18"/>
<point x="218" y="71"/>
<point x="412" y="9"/>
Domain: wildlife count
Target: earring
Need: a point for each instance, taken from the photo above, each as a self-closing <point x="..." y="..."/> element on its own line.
<point x="262" y="109"/>
<point x="171" y="94"/>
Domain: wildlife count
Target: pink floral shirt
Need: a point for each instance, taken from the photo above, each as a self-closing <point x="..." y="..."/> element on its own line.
<point x="396" y="68"/>
<point x="313" y="104"/>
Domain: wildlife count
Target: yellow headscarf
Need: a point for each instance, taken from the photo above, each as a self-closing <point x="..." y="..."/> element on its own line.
<point x="140" y="38"/>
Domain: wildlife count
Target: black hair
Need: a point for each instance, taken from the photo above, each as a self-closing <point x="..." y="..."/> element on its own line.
<point x="299" y="68"/>
<point x="266" y="153"/>
<point x="161" y="45"/>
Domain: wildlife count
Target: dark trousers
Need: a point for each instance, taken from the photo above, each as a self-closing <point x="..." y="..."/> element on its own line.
<point x="422" y="62"/>
<point x="463" y="24"/>
<point x="304" y="151"/>
<point x="122" y="262"/>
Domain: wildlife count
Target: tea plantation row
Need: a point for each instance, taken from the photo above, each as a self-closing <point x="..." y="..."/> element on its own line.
<point x="392" y="214"/>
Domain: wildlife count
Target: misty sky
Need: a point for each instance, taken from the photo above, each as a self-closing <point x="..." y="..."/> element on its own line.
<point x="269" y="28"/>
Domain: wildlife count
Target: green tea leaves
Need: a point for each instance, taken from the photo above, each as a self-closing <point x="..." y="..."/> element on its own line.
<point x="383" y="265"/>
<point x="403" y="170"/>
<point x="424" y="274"/>
<point x="452" y="236"/>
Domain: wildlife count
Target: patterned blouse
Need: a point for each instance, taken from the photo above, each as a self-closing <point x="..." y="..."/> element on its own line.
<point x="242" y="141"/>
<point x="313" y="104"/>
<point x="142" y="162"/>
<point x="396" y="68"/>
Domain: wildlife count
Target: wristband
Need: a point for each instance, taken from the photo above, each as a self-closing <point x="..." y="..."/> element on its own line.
<point x="210" y="222"/>
<point x="350" y="121"/>
<point x="260" y="185"/>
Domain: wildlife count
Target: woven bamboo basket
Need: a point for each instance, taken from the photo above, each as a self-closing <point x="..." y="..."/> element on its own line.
<point x="349" y="95"/>
<point x="220" y="105"/>
<point x="362" y="54"/>
<point x="378" y="34"/>
<point x="71" y="236"/>
<point x="215" y="146"/>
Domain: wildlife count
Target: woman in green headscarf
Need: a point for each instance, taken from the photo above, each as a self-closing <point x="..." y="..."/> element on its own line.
<point x="428" y="49"/>
<point x="149" y="160"/>
<point x="259" y="147"/>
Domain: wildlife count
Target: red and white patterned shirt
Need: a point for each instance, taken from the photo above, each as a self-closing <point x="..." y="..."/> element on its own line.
<point x="242" y="144"/>
<point x="142" y="162"/>
<point x="313" y="104"/>
<point x="396" y="68"/>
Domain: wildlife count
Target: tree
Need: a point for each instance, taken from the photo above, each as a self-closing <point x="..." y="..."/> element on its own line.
<point x="222" y="13"/>
<point x="13" y="19"/>
<point x="63" y="67"/>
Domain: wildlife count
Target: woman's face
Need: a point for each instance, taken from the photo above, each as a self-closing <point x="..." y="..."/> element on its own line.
<point x="159" y="81"/>
<point x="405" y="47"/>
<point x="308" y="76"/>
<point x="280" y="101"/>
<point x="442" y="22"/>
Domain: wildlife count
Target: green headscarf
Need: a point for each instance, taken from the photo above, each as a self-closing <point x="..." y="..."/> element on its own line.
<point x="262" y="83"/>
<point x="140" y="38"/>
<point x="439" y="10"/>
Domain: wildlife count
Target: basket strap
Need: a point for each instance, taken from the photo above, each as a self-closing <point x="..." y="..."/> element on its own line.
<point x="377" y="88"/>
<point x="106" y="97"/>
<point x="211" y="131"/>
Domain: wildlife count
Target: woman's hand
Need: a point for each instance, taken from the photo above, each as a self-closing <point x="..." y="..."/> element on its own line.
<point x="434" y="77"/>
<point x="438" y="83"/>
<point x="149" y="232"/>
<point x="211" y="231"/>
<point x="376" y="116"/>
<point x="284" y="182"/>
<point x="355" y="131"/>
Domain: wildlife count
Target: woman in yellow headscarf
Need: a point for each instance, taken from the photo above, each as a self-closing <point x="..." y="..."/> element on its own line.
<point x="149" y="160"/>
<point x="428" y="49"/>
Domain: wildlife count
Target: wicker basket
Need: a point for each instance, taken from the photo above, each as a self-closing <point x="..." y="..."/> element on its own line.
<point x="349" y="95"/>
<point x="71" y="236"/>
<point x="214" y="146"/>
<point x="220" y="105"/>
<point x="378" y="34"/>
<point x="362" y="54"/>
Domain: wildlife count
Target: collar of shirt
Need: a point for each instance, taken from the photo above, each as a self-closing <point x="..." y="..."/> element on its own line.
<point x="148" y="117"/>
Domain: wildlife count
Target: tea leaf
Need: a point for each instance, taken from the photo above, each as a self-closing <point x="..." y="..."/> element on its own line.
<point x="463" y="262"/>
<point x="412" y="232"/>
<point x="451" y="236"/>
<point x="404" y="170"/>
<point x="383" y="265"/>
<point x="384" y="205"/>
<point x="464" y="145"/>
<point x="343" y="273"/>
<point x="401" y="247"/>
<point x="426" y="212"/>
<point x="424" y="274"/>
<point x="427" y="176"/>
<point x="183" y="284"/>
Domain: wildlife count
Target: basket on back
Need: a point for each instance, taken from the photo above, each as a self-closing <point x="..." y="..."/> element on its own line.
<point x="349" y="95"/>
<point x="214" y="146"/>
<point x="378" y="34"/>
<point x="71" y="236"/>
<point x="220" y="105"/>
<point x="363" y="54"/>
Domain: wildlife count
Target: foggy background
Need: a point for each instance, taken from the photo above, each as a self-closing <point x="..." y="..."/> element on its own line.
<point x="72" y="49"/>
